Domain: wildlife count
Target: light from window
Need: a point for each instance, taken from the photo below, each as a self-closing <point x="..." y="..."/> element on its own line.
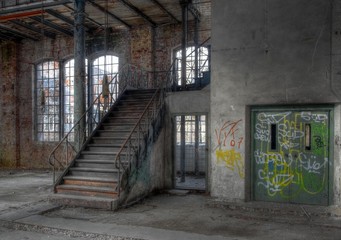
<point x="203" y="64"/>
<point x="104" y="65"/>
<point x="48" y="101"/>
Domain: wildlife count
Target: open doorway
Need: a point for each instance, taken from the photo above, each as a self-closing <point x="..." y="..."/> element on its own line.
<point x="190" y="152"/>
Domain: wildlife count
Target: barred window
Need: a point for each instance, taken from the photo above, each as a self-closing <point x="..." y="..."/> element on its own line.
<point x="203" y="63"/>
<point x="103" y="65"/>
<point x="69" y="102"/>
<point x="48" y="101"/>
<point x="54" y="94"/>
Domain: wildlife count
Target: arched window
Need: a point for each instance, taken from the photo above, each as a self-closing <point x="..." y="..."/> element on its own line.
<point x="203" y="64"/>
<point x="68" y="94"/>
<point x="69" y="102"/>
<point x="47" y="101"/>
<point x="54" y="94"/>
<point x="103" y="65"/>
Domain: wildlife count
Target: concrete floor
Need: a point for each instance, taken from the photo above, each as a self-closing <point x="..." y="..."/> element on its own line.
<point x="25" y="213"/>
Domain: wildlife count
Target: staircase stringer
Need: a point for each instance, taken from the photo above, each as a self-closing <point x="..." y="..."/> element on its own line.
<point x="144" y="133"/>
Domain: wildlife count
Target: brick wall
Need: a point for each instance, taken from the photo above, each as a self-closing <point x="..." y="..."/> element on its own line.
<point x="17" y="145"/>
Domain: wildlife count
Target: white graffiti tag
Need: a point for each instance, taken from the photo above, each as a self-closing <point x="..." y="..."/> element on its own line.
<point x="316" y="117"/>
<point x="311" y="164"/>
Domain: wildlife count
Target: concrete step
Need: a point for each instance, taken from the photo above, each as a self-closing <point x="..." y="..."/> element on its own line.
<point x="90" y="181"/>
<point x="112" y="133"/>
<point x="104" y="148"/>
<point x="142" y="97"/>
<point x="116" y="140"/>
<point x="98" y="155"/>
<point x="123" y="119"/>
<point x="107" y="140"/>
<point x="94" y="164"/>
<point x="119" y="127"/>
<point x="84" y="201"/>
<point x="101" y="161"/>
<point x="127" y="111"/>
<point x="134" y="102"/>
<point x="87" y="191"/>
<point x="94" y="172"/>
<point x="111" y="145"/>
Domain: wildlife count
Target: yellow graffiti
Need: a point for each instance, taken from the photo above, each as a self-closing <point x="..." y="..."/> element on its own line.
<point x="232" y="159"/>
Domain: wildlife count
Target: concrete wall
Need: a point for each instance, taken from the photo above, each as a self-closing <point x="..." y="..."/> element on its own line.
<point x="267" y="53"/>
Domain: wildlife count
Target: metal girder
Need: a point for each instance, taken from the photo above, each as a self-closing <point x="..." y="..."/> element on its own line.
<point x="156" y="2"/>
<point x="6" y="37"/>
<point x="87" y="17"/>
<point x="99" y="7"/>
<point x="20" y="15"/>
<point x="34" y="29"/>
<point x="33" y="6"/>
<point x="195" y="12"/>
<point x="191" y="8"/>
<point x="52" y="25"/>
<point x="60" y="16"/>
<point x="139" y="12"/>
<point x="16" y="33"/>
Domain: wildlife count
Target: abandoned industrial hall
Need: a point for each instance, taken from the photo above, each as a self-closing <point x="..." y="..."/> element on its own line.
<point x="122" y="98"/>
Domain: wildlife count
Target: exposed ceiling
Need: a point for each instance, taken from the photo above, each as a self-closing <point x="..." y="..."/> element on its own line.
<point x="35" y="19"/>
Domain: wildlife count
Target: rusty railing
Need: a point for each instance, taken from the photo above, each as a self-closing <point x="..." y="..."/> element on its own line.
<point x="74" y="141"/>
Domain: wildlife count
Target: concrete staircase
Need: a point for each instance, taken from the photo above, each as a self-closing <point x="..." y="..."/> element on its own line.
<point x="92" y="180"/>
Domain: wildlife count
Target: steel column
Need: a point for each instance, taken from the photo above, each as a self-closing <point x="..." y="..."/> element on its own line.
<point x="196" y="147"/>
<point x="183" y="149"/>
<point x="79" y="85"/>
<point x="184" y="6"/>
<point x="196" y="53"/>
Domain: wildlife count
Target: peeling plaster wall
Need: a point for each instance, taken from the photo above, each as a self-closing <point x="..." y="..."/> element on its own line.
<point x="273" y="53"/>
<point x="141" y="47"/>
<point x="9" y="108"/>
<point x="18" y="148"/>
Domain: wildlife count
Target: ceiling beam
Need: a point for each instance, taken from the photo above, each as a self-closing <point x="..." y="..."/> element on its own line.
<point x="156" y="2"/>
<point x="6" y="36"/>
<point x="34" y="29"/>
<point x="60" y="16"/>
<point x="20" y="15"/>
<point x="139" y="12"/>
<point x="16" y="33"/>
<point x="102" y="9"/>
<point x="86" y="16"/>
<point x="33" y="6"/>
<point x="52" y="25"/>
<point x="195" y="12"/>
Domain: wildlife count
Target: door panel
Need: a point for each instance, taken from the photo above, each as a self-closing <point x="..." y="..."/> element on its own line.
<point x="291" y="156"/>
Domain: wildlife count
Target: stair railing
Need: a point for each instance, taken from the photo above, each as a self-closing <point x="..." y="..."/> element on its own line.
<point x="130" y="151"/>
<point x="67" y="149"/>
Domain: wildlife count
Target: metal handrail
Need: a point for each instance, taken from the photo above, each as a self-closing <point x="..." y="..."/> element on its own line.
<point x="137" y="136"/>
<point x="66" y="150"/>
<point x="129" y="75"/>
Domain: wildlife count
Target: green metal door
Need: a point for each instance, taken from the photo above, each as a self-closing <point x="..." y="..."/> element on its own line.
<point x="291" y="156"/>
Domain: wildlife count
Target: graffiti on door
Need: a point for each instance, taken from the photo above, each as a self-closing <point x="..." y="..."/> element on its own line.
<point x="229" y="141"/>
<point x="292" y="157"/>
